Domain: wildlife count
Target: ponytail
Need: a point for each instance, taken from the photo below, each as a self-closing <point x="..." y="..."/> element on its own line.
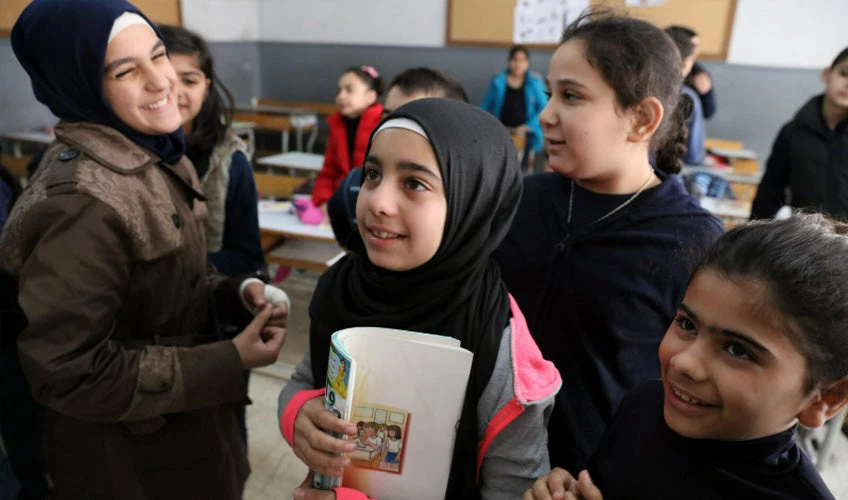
<point x="670" y="154"/>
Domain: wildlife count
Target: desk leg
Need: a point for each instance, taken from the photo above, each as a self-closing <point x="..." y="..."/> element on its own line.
<point x="251" y="146"/>
<point x="313" y="134"/>
<point x="285" y="142"/>
<point x="299" y="134"/>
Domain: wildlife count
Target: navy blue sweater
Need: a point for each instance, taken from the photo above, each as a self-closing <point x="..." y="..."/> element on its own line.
<point x="641" y="457"/>
<point x="599" y="297"/>
<point x="241" y="252"/>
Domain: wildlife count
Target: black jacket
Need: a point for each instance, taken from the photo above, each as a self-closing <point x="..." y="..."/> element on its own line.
<point x="599" y="300"/>
<point x="811" y="161"/>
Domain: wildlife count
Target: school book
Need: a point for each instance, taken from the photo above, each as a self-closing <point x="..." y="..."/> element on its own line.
<point x="404" y="391"/>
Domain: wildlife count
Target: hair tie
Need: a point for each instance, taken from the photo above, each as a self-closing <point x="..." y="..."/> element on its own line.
<point x="370" y="71"/>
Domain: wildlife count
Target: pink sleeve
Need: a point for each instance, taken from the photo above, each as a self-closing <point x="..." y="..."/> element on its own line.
<point x="291" y="411"/>
<point x="350" y="494"/>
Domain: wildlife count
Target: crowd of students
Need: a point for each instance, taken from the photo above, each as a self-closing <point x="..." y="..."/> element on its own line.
<point x="620" y="337"/>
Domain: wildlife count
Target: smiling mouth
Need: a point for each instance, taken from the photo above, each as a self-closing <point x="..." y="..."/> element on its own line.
<point x="688" y="399"/>
<point x="156" y="105"/>
<point x="384" y="235"/>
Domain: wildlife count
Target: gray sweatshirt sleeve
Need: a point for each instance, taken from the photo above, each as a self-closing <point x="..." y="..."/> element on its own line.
<point x="301" y="380"/>
<point x="518" y="455"/>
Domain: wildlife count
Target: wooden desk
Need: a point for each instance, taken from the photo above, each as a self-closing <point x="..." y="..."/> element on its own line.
<point x="288" y="241"/>
<point x="17" y="161"/>
<point x="293" y="160"/>
<point x="727" y="174"/>
<point x="282" y="118"/>
<point x="321" y="108"/>
<point x="731" y="212"/>
<point x="245" y="131"/>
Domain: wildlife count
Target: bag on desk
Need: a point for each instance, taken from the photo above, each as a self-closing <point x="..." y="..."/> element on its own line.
<point x="306" y="211"/>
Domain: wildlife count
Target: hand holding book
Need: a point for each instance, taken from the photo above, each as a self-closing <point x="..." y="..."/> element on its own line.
<point x="320" y="451"/>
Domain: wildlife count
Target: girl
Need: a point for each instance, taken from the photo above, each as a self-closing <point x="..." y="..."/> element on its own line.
<point x="437" y="197"/>
<point x="107" y="245"/>
<point x="757" y="346"/>
<point x="696" y="135"/>
<point x="516" y="97"/>
<point x="220" y="160"/>
<point x="219" y="157"/>
<point x="810" y="153"/>
<point x="359" y="112"/>
<point x="598" y="255"/>
<point x="394" y="444"/>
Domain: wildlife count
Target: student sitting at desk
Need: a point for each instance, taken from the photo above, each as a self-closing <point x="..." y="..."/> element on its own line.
<point x="350" y="128"/>
<point x="810" y="154"/>
<point x="695" y="148"/>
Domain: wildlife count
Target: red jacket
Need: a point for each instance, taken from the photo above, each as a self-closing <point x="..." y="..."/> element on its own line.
<point x="337" y="158"/>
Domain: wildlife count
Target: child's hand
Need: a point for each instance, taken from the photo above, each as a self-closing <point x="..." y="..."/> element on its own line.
<point x="586" y="488"/>
<point x="317" y="449"/>
<point x="259" y="344"/>
<point x="306" y="492"/>
<point x="555" y="485"/>
<point x="257" y="294"/>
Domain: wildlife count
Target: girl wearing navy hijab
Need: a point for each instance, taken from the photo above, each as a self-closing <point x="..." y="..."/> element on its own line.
<point x="441" y="183"/>
<point x="137" y="376"/>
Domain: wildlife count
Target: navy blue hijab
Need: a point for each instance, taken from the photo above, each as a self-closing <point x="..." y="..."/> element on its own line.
<point x="62" y="46"/>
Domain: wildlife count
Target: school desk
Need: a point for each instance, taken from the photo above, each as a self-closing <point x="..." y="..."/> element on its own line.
<point x="293" y="160"/>
<point x="728" y="174"/>
<point x="283" y="119"/>
<point x="17" y="161"/>
<point x="289" y="242"/>
<point x="245" y="131"/>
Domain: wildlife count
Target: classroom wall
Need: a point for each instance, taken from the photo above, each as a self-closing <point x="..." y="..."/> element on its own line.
<point x="18" y="108"/>
<point x="361" y="22"/>
<point x="753" y="101"/>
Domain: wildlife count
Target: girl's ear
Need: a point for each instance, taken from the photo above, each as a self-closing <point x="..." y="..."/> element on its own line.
<point x="825" y="405"/>
<point x="646" y="118"/>
<point x="373" y="95"/>
<point x="825" y="74"/>
<point x="208" y="88"/>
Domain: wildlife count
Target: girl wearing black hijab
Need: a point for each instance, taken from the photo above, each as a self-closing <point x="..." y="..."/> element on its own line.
<point x="108" y="249"/>
<point x="440" y="186"/>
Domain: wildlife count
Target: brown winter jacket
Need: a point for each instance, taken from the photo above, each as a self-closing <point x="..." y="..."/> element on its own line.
<point x="108" y="245"/>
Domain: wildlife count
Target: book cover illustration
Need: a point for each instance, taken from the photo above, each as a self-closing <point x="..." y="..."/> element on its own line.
<point x="381" y="431"/>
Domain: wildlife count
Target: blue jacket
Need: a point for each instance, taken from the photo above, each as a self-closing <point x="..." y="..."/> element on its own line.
<point x="695" y="146"/>
<point x="535" y="97"/>
<point x="599" y="301"/>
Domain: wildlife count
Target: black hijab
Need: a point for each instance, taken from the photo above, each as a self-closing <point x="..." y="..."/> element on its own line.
<point x="62" y="46"/>
<point x="459" y="292"/>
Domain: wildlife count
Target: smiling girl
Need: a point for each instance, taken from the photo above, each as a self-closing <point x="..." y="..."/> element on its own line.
<point x="758" y="345"/>
<point x="602" y="247"/>
<point x="122" y="346"/>
<point x="441" y="183"/>
<point x="219" y="157"/>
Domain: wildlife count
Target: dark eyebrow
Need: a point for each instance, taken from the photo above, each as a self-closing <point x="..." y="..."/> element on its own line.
<point x="416" y="167"/>
<point x="373" y="159"/>
<point x="728" y="333"/>
<point x="192" y="72"/>
<point x="570" y="81"/>
<point x="114" y="64"/>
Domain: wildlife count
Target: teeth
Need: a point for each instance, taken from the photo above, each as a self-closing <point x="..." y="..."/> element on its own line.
<point x="383" y="235"/>
<point x="687" y="399"/>
<point x="157" y="104"/>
